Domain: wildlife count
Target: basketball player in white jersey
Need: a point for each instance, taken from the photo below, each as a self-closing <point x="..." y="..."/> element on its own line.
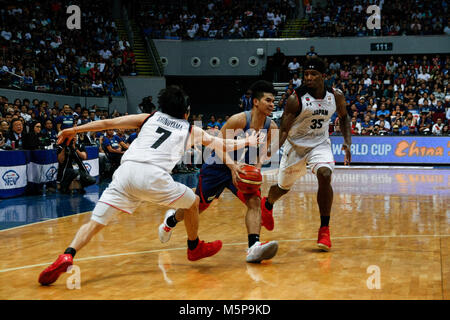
<point x="144" y="173"/>
<point x="305" y="141"/>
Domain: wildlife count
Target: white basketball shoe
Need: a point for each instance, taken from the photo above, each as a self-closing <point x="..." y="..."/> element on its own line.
<point x="164" y="230"/>
<point x="262" y="251"/>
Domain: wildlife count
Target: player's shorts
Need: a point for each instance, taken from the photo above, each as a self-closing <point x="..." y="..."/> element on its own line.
<point x="293" y="164"/>
<point x="213" y="179"/>
<point x="134" y="183"/>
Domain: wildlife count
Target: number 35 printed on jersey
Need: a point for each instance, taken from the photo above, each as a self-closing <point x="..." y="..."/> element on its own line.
<point x="316" y="123"/>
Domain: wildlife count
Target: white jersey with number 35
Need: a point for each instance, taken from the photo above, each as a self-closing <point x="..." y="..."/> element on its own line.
<point x="161" y="141"/>
<point x="310" y="128"/>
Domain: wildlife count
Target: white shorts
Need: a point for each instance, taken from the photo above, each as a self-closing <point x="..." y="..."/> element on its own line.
<point x="134" y="183"/>
<point x="293" y="164"/>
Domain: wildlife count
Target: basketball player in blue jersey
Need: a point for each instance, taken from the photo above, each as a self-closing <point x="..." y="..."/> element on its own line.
<point x="144" y="173"/>
<point x="305" y="141"/>
<point x="215" y="177"/>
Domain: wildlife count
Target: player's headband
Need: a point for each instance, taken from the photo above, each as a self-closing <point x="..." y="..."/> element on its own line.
<point x="314" y="64"/>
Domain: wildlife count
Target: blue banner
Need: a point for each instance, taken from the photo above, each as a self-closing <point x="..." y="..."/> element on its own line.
<point x="403" y="149"/>
<point x="22" y="170"/>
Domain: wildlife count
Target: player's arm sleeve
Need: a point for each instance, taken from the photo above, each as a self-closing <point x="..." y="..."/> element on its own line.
<point x="291" y="111"/>
<point x="344" y="118"/>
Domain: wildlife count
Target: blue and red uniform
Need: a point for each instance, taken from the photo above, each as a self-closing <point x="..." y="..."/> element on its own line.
<point x="215" y="177"/>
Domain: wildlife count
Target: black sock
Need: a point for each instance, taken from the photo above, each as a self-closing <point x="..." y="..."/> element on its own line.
<point x="70" y="251"/>
<point x="192" y="244"/>
<point x="269" y="206"/>
<point x="252" y="238"/>
<point x="171" y="221"/>
<point x="324" y="221"/>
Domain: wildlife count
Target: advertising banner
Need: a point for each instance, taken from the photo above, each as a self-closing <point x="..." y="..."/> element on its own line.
<point x="401" y="149"/>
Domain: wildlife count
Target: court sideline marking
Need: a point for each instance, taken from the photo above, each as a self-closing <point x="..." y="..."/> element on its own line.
<point x="229" y="244"/>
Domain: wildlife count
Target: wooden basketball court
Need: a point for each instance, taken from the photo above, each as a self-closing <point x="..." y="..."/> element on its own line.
<point x="388" y="223"/>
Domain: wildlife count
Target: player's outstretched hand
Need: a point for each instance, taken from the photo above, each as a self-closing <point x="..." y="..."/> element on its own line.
<point x="348" y="155"/>
<point x="66" y="136"/>
<point x="255" y="138"/>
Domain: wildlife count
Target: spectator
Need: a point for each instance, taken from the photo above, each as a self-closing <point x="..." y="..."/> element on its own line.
<point x="4" y="128"/>
<point x="14" y="139"/>
<point x="112" y="148"/>
<point x="212" y="122"/>
<point x="49" y="134"/>
<point x="66" y="120"/>
<point x="296" y="81"/>
<point x="33" y="140"/>
<point x="84" y="117"/>
<point x="121" y="139"/>
<point x="132" y="137"/>
<point x="279" y="63"/>
<point x="293" y="67"/>
<point x="311" y="53"/>
<point x="246" y="102"/>
<point x="438" y="127"/>
<point x="395" y="130"/>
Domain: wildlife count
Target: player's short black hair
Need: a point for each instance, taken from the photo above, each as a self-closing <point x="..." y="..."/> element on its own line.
<point x="315" y="63"/>
<point x="174" y="102"/>
<point x="260" y="87"/>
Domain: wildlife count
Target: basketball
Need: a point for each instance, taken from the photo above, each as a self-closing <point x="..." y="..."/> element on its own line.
<point x="250" y="181"/>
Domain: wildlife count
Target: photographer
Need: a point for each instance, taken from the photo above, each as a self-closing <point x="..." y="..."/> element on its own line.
<point x="71" y="166"/>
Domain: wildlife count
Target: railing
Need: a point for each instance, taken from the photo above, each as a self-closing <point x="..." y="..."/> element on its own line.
<point x="151" y="48"/>
<point x="122" y="87"/>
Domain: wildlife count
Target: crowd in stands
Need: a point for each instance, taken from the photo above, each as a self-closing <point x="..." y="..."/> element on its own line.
<point x="214" y="19"/>
<point x="34" y="125"/>
<point x="39" y="51"/>
<point x="348" y="18"/>
<point x="227" y="19"/>
<point x="386" y="95"/>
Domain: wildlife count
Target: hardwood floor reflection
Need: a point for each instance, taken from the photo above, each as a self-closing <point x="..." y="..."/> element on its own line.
<point x="394" y="220"/>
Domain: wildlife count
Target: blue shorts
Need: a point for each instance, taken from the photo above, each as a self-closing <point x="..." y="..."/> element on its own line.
<point x="213" y="179"/>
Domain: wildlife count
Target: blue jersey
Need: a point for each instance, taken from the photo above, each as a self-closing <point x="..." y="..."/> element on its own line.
<point x="66" y="121"/>
<point x="215" y="176"/>
<point x="113" y="142"/>
<point x="132" y="137"/>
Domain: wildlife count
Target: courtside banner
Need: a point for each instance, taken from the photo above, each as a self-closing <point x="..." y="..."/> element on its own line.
<point x="13" y="173"/>
<point x="92" y="163"/>
<point x="43" y="166"/>
<point x="403" y="149"/>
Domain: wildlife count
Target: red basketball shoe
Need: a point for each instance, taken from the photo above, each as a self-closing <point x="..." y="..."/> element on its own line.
<point x="324" y="241"/>
<point x="266" y="216"/>
<point x="51" y="274"/>
<point x="204" y="250"/>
